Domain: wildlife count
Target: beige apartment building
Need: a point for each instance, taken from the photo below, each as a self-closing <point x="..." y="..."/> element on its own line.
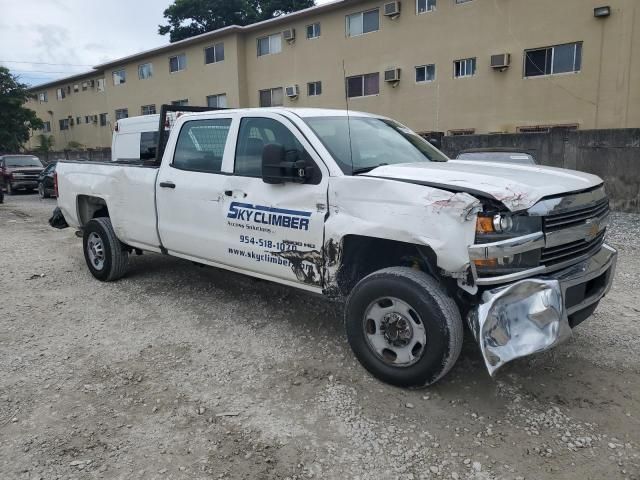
<point x="454" y="66"/>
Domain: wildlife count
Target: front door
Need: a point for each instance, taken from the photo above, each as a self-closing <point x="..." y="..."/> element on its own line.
<point x="275" y="230"/>
<point x="190" y="189"/>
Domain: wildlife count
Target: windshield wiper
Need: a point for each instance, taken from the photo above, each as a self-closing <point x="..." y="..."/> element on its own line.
<point x="357" y="171"/>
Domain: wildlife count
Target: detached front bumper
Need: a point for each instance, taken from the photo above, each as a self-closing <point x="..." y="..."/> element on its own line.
<point x="536" y="314"/>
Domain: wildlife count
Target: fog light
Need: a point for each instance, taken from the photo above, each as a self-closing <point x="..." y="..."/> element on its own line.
<point x="602" y="12"/>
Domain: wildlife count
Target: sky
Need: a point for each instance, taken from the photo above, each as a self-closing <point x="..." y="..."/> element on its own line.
<point x="42" y="40"/>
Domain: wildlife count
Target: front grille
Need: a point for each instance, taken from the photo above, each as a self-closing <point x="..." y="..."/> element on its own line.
<point x="563" y="253"/>
<point x="560" y="221"/>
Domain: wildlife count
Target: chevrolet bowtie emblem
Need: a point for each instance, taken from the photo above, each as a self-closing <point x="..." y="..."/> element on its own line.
<point x="594" y="229"/>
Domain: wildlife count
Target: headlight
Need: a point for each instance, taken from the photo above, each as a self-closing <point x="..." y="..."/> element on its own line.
<point x="492" y="228"/>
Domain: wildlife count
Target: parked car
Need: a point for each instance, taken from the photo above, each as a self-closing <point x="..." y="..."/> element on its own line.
<point x="20" y="172"/>
<point x="498" y="156"/>
<point x="46" y="181"/>
<point x="357" y="205"/>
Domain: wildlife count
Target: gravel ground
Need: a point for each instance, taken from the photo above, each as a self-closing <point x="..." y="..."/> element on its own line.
<point x="185" y="372"/>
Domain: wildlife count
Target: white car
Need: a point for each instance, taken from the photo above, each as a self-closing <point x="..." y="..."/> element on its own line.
<point x="358" y="206"/>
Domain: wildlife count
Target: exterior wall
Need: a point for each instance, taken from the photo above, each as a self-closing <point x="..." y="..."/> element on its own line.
<point x="604" y="94"/>
<point x="82" y="103"/>
<point x="194" y="83"/>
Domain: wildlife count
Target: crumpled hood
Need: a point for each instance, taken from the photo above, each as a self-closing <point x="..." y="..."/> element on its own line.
<point x="518" y="187"/>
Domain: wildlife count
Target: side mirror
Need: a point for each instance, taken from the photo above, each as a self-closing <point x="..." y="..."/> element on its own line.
<point x="282" y="166"/>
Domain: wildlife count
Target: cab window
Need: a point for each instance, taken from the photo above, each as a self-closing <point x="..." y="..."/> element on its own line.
<point x="200" y="145"/>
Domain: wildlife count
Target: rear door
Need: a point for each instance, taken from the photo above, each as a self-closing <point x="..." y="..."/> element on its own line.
<point x="275" y="230"/>
<point x="190" y="188"/>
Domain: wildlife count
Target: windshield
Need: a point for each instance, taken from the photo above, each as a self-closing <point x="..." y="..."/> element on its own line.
<point x="510" y="157"/>
<point x="23" y="162"/>
<point x="374" y="142"/>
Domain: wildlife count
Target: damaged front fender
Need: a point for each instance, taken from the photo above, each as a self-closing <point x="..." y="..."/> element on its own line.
<point x="522" y="319"/>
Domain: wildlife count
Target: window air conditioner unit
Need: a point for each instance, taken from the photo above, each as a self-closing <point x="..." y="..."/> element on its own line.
<point x="501" y="61"/>
<point x="392" y="75"/>
<point x="292" y="91"/>
<point x="392" y="9"/>
<point x="289" y="35"/>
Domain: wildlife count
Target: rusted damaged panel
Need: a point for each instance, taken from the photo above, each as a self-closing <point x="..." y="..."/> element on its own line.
<point x="306" y="266"/>
<point x="522" y="319"/>
<point x="409" y="213"/>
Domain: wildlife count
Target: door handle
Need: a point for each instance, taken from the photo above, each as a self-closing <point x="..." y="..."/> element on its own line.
<point x="228" y="193"/>
<point x="167" y="185"/>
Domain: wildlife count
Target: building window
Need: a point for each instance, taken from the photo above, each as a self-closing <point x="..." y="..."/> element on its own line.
<point x="148" y="109"/>
<point x="464" y="68"/>
<point x="271" y="97"/>
<point x="363" y="22"/>
<point x="100" y="85"/>
<point x="87" y="119"/>
<point x="462" y="131"/>
<point x="78" y="120"/>
<point x="76" y="88"/>
<point x="314" y="89"/>
<point x="180" y="103"/>
<point x="424" y="6"/>
<point x="363" y="85"/>
<point x="214" y="54"/>
<point x="119" y="77"/>
<point x="122" y="113"/>
<point x="103" y="119"/>
<point x="46" y="127"/>
<point x="64" y="124"/>
<point x="270" y="45"/>
<point x="425" y="73"/>
<point x="145" y="71"/>
<point x="177" y="63"/>
<point x="565" y="58"/>
<point x="43" y="97"/>
<point x="313" y="30"/>
<point x="85" y="86"/>
<point x="60" y="93"/>
<point x="217" y="101"/>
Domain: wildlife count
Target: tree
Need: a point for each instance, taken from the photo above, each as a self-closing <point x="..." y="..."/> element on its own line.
<point x="16" y="121"/>
<point x="187" y="18"/>
<point x="46" y="145"/>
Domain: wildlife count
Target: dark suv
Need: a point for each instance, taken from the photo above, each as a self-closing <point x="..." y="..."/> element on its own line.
<point x="20" y="172"/>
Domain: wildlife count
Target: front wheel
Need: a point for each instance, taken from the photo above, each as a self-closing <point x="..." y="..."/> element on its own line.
<point x="403" y="327"/>
<point x="105" y="255"/>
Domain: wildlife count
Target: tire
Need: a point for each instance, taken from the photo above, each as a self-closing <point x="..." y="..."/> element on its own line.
<point x="42" y="191"/>
<point x="406" y="297"/>
<point x="105" y="255"/>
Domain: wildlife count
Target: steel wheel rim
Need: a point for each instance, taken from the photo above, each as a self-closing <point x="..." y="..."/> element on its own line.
<point x="95" y="251"/>
<point x="394" y="332"/>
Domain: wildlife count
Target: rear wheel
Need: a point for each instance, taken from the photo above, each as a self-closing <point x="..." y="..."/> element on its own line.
<point x="403" y="327"/>
<point x="105" y="255"/>
<point x="42" y="191"/>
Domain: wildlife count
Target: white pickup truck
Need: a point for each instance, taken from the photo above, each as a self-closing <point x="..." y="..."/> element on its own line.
<point x="358" y="206"/>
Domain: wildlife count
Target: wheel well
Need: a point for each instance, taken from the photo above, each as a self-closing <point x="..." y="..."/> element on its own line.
<point x="91" y="207"/>
<point x="362" y="256"/>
